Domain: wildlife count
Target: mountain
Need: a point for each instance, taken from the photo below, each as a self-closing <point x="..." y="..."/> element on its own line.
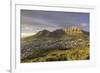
<point x="58" y="33"/>
<point x="43" y="33"/>
<point x="54" y="34"/>
<point x="45" y="42"/>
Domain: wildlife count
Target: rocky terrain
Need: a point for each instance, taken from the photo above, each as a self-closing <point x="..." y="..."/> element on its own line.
<point x="57" y="45"/>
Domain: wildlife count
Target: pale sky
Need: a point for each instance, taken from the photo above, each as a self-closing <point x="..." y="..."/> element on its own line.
<point x="33" y="21"/>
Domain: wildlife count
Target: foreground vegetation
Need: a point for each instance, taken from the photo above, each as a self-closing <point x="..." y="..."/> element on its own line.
<point x="55" y="46"/>
<point x="63" y="55"/>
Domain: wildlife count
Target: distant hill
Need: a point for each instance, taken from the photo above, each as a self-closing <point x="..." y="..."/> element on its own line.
<point x="43" y="33"/>
<point x="45" y="42"/>
<point x="46" y="33"/>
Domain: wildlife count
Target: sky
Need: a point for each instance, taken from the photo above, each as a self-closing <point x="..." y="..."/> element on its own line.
<point x="33" y="21"/>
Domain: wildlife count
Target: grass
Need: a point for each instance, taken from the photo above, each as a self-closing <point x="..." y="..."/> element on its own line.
<point x="46" y="48"/>
<point x="63" y="55"/>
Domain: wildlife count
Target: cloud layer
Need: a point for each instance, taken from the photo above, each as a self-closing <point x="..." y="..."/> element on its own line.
<point x="35" y="20"/>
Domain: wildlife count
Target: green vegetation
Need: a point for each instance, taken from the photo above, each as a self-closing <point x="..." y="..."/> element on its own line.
<point x="63" y="55"/>
<point x="55" y="46"/>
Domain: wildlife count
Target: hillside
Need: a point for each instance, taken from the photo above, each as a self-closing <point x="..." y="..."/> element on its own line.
<point x="55" y="46"/>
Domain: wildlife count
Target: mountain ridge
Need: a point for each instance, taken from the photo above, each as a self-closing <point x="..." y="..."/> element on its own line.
<point x="58" y="32"/>
<point x="46" y="41"/>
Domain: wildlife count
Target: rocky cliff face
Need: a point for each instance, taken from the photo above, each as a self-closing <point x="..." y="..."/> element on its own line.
<point x="72" y="30"/>
<point x="32" y="47"/>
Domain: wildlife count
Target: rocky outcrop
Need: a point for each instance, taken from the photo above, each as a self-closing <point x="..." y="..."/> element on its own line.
<point x="46" y="40"/>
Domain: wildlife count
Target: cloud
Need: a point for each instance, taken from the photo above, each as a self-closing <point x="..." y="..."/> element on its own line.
<point x="35" y="20"/>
